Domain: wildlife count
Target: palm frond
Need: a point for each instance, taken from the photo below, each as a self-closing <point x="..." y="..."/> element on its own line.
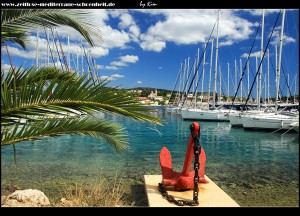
<point x="34" y="75"/>
<point x="111" y="133"/>
<point x="27" y="19"/>
<point x="17" y="36"/>
<point x="68" y="97"/>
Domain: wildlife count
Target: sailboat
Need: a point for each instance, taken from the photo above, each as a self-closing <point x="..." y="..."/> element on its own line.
<point x="216" y="113"/>
<point x="235" y="119"/>
<point x="276" y="120"/>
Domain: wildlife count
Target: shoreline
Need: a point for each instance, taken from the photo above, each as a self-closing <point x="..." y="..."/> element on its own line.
<point x="135" y="195"/>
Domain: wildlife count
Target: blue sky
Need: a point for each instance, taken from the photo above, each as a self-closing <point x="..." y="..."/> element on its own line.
<point x="145" y="48"/>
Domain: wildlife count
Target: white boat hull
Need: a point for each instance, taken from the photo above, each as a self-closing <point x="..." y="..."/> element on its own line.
<point x="208" y="115"/>
<point x="235" y="118"/>
<point x="269" y="121"/>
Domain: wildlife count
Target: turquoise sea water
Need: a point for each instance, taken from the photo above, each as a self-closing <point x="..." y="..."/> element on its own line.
<point x="255" y="168"/>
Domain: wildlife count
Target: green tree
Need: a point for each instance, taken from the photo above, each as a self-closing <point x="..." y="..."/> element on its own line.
<point x="53" y="102"/>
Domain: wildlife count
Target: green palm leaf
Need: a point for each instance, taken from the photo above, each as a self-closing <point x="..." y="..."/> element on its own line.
<point x="34" y="75"/>
<point x="109" y="132"/>
<point x="16" y="24"/>
<point x="69" y="96"/>
<point x="17" y="36"/>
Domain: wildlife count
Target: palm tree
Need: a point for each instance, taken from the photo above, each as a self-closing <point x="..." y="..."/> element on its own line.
<point x="17" y="24"/>
<point x="50" y="100"/>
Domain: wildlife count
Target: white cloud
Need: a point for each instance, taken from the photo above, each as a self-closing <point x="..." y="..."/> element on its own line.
<point x="106" y="78"/>
<point x="118" y="63"/>
<point x="233" y="28"/>
<point x="129" y="58"/>
<point x="183" y="26"/>
<point x="30" y="52"/>
<point x="13" y="51"/>
<point x="111" y="68"/>
<point x="276" y="37"/>
<point x="99" y="51"/>
<point x="225" y="43"/>
<point x="126" y="21"/>
<point x="5" y="68"/>
<point x="160" y="68"/>
<point x="255" y="54"/>
<point x="258" y="12"/>
<point x="117" y="13"/>
<point x="287" y="39"/>
<point x="135" y="32"/>
<point x="192" y="26"/>
<point x="152" y="44"/>
<point x="123" y="60"/>
<point x="117" y="76"/>
<point x="139" y="82"/>
<point x="100" y="66"/>
<point x="97" y="17"/>
<point x="112" y="77"/>
<point x="73" y="49"/>
<point x="113" y="38"/>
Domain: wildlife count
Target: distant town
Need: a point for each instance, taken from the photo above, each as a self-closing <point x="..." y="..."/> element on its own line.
<point x="155" y="97"/>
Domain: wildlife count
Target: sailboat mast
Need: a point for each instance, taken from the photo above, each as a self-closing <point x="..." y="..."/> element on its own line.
<point x="241" y="80"/>
<point x="53" y="46"/>
<point x="279" y="63"/>
<point x="203" y="75"/>
<point x="180" y="83"/>
<point x="265" y="88"/>
<point x="194" y="69"/>
<point x="248" y="78"/>
<point x="183" y="80"/>
<point x="186" y="81"/>
<point x="268" y="76"/>
<point x="210" y="68"/>
<point x="216" y="63"/>
<point x="48" y="46"/>
<point x="287" y="90"/>
<point x="77" y="61"/>
<point x="261" y="57"/>
<point x="295" y="88"/>
<point x="220" y="84"/>
<point x="37" y="49"/>
<point x="228" y="81"/>
<point x="197" y="75"/>
<point x="235" y="75"/>
<point x="88" y="64"/>
<point x="276" y="59"/>
<point x="256" y="68"/>
<point x="82" y="68"/>
<point x="69" y="54"/>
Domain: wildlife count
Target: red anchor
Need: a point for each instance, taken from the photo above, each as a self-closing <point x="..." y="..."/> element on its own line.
<point x="185" y="179"/>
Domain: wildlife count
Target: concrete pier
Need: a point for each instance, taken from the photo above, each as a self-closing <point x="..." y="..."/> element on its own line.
<point x="210" y="195"/>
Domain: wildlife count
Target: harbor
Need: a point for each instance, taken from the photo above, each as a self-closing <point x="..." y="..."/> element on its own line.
<point x="255" y="168"/>
<point x="89" y="116"/>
